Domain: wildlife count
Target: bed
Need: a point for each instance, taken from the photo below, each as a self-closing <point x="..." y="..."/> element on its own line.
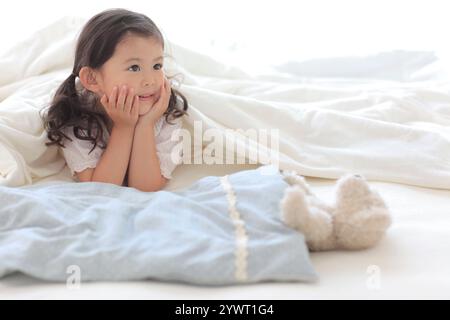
<point x="390" y="126"/>
<point x="410" y="262"/>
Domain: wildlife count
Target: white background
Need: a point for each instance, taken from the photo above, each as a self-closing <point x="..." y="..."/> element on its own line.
<point x="254" y="33"/>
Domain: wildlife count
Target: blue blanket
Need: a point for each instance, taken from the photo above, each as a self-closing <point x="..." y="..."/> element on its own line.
<point x="219" y="230"/>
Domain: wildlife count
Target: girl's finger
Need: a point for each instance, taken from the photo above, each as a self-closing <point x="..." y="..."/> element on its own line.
<point x="104" y="101"/>
<point x="135" y="107"/>
<point x="169" y="89"/>
<point x="113" y="98"/>
<point x="167" y="85"/>
<point x="129" y="99"/>
<point x="163" y="92"/>
<point x="121" y="99"/>
<point x="163" y="87"/>
<point x="167" y="93"/>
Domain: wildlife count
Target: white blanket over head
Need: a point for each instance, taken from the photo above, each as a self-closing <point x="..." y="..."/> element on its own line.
<point x="371" y="116"/>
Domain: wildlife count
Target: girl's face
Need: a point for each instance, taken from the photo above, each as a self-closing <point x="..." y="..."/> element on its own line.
<point x="137" y="63"/>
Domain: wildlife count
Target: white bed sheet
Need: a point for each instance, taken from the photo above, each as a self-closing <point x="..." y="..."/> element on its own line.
<point x="412" y="261"/>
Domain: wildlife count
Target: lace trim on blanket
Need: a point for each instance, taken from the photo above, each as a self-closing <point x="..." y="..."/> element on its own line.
<point x="240" y="233"/>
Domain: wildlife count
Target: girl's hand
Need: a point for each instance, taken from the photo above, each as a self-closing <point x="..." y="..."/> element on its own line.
<point x="160" y="106"/>
<point x="123" y="109"/>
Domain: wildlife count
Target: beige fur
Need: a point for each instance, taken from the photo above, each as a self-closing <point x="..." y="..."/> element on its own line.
<point x="357" y="220"/>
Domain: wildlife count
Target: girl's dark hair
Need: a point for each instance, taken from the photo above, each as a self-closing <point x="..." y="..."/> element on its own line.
<point x="95" y="46"/>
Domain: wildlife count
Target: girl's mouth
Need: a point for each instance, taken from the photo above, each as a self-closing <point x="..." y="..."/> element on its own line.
<point x="146" y="98"/>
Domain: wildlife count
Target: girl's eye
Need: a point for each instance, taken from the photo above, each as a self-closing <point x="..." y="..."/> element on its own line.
<point x="158" y="66"/>
<point x="133" y="68"/>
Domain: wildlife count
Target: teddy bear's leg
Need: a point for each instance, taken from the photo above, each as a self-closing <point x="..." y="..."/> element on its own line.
<point x="360" y="217"/>
<point x="293" y="178"/>
<point x="301" y="212"/>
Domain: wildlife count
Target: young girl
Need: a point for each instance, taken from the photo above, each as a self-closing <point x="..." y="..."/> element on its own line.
<point x="115" y="114"/>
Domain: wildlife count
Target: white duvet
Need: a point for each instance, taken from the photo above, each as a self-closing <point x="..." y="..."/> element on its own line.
<point x="382" y="116"/>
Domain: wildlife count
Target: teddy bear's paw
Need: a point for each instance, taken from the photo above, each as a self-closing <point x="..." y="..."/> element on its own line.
<point x="294" y="206"/>
<point x="353" y="194"/>
<point x="311" y="220"/>
<point x="362" y="230"/>
<point x="293" y="178"/>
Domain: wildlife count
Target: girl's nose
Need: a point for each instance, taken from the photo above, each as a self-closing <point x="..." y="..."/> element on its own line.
<point x="150" y="81"/>
<point x="148" y="84"/>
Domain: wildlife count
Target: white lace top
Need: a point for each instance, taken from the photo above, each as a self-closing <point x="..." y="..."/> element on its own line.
<point x="78" y="158"/>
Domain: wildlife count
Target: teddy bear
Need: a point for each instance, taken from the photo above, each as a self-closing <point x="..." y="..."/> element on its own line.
<point x="357" y="220"/>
